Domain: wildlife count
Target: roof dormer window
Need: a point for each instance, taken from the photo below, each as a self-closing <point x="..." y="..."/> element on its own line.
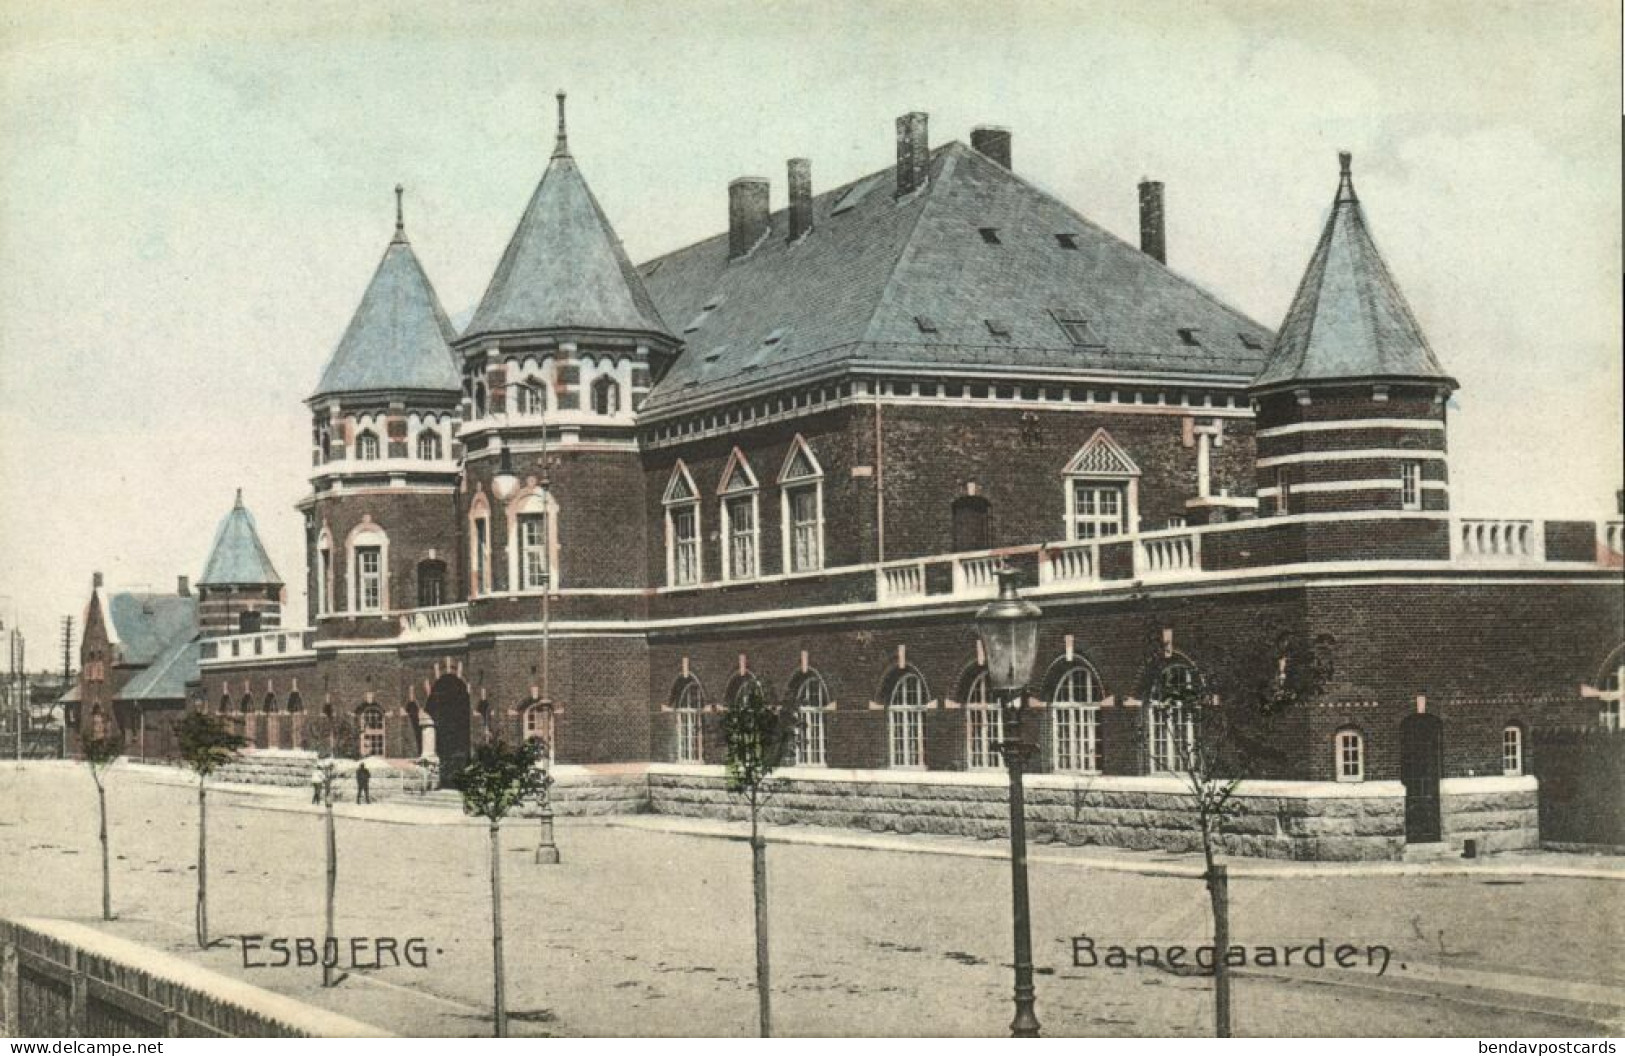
<point x="1187" y="337"/>
<point x="990" y="235"/>
<point x="997" y="327"/>
<point x="1067" y="240"/>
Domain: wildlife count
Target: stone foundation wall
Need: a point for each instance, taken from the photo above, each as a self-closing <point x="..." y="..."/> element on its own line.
<point x="581" y="791"/>
<point x="1501" y="813"/>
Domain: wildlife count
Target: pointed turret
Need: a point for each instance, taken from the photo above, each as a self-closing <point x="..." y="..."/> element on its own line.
<point x="1348" y="321"/>
<point x="564" y="268"/>
<point x="239" y="589"/>
<point x="400" y="337"/>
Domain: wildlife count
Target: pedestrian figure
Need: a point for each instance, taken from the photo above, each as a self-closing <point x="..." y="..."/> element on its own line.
<point x="316" y="781"/>
<point x="363" y="783"/>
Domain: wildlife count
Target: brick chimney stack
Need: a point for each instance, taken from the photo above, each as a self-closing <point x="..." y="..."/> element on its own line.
<point x="183" y="586"/>
<point x="747" y="214"/>
<point x="1153" y="239"/>
<point x="95" y="581"/>
<point x="913" y="152"/>
<point x="992" y="142"/>
<point x="801" y="215"/>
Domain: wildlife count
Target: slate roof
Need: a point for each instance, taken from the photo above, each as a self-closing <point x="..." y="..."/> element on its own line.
<point x="564" y="266"/>
<point x="167" y="676"/>
<point x="914" y="282"/>
<point x="399" y="337"/>
<point x="1348" y="319"/>
<point x="143" y="626"/>
<point x="237" y="557"/>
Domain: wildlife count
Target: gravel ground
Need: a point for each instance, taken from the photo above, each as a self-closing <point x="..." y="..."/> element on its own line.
<point x="648" y="933"/>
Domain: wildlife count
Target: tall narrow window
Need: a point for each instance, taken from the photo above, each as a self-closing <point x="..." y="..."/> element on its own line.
<point x="1410" y="485"/>
<point x="369" y="578"/>
<point x="324" y="576"/>
<point x="1075" y="707"/>
<point x="812" y="699"/>
<point x="1512" y="750"/>
<point x="606" y="396"/>
<point x="741" y="531"/>
<point x="533" y="565"/>
<point x="1350" y="760"/>
<point x="482" y="555"/>
<point x="1173" y="716"/>
<point x="801" y="486"/>
<point x="905" y="720"/>
<point x="431" y="584"/>
<point x="971" y="530"/>
<point x="682" y="502"/>
<point x="690" y="748"/>
<point x="1283" y="491"/>
<point x="366" y="446"/>
<point x="429" y="445"/>
<point x="984" y="726"/>
<point x="372" y="731"/>
<point x="1608" y="715"/>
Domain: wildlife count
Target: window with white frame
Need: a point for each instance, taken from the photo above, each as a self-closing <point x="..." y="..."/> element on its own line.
<point x="905" y="720"/>
<point x="812" y="699"/>
<point x="480" y="543"/>
<point x="1075" y="713"/>
<point x="984" y="726"/>
<point x="606" y="396"/>
<point x="682" y="503"/>
<point x="741" y="530"/>
<point x="1173" y="716"/>
<point x="1349" y="760"/>
<point x="1102" y="490"/>
<point x="689" y="700"/>
<point x="537" y="723"/>
<point x="533" y="551"/>
<point x="366" y="446"/>
<point x="324" y="574"/>
<point x="369" y="572"/>
<point x="801" y="487"/>
<point x="1608" y="715"/>
<point x="429" y="446"/>
<point x="372" y="730"/>
<point x="1283" y="491"/>
<point x="1512" y="750"/>
<point x="1410" y="485"/>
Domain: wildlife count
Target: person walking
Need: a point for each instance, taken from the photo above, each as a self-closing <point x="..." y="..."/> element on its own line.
<point x="363" y="784"/>
<point x="316" y="782"/>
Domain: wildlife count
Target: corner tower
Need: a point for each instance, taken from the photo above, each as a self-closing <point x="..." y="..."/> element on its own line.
<point x="239" y="591"/>
<point x="1351" y="402"/>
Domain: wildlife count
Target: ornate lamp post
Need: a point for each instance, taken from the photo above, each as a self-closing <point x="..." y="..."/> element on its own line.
<point x="1008" y="627"/>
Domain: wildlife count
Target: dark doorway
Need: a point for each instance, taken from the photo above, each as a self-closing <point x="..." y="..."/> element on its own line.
<point x="448" y="707"/>
<point x="431" y="584"/>
<point x="970" y="524"/>
<point x="1421" y="758"/>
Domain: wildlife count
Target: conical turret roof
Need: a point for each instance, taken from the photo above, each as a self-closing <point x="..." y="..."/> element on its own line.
<point x="237" y="557"/>
<point x="564" y="266"/>
<point x="1348" y="320"/>
<point x="400" y="336"/>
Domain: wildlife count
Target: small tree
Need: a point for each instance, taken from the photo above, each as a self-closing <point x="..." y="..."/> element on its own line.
<point x="499" y="779"/>
<point x="331" y="737"/>
<point x="1226" y="726"/>
<point x="758" y="734"/>
<point x="100" y="753"/>
<point x="207" y="743"/>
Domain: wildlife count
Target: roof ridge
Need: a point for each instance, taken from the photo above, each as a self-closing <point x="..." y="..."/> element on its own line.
<point x="927" y="197"/>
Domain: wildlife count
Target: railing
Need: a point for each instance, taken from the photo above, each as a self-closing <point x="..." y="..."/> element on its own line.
<point x="435" y="621"/>
<point x="901" y="580"/>
<point x="1483" y="539"/>
<point x="1069" y="563"/>
<point x="260" y="643"/>
<point x="1167" y="554"/>
<point x="977" y="575"/>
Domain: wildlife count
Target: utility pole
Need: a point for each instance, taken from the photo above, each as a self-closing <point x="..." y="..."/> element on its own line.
<point x="19" y="684"/>
<point x="67" y="651"/>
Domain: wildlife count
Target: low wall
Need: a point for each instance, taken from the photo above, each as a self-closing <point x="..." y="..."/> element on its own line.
<point x="593" y="791"/>
<point x="1274" y="819"/>
<point x="64" y="980"/>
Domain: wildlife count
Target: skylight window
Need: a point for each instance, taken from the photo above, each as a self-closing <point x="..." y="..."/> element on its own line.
<point x="990" y="235"/>
<point x="1250" y="341"/>
<point x="1077" y="329"/>
<point x="1067" y="240"/>
<point x="705" y="310"/>
<point x="926" y="324"/>
<point x="649" y="270"/>
<point x="997" y="327"/>
<point x="774" y="338"/>
<point x="853" y="196"/>
<point x="1187" y="336"/>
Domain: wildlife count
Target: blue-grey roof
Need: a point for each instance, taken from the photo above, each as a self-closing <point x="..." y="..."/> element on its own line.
<point x="564" y="267"/>
<point x="237" y="558"/>
<point x="914" y="282"/>
<point x="399" y="338"/>
<point x="167" y="676"/>
<point x="144" y="625"/>
<point x="1348" y="319"/>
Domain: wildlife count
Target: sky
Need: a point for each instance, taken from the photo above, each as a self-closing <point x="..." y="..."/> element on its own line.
<point x="193" y="196"/>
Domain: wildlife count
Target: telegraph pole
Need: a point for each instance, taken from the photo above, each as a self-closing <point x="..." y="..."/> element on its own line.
<point x="67" y="651"/>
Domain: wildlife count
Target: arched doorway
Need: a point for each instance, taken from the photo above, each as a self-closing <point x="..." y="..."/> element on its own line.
<point x="448" y="709"/>
<point x="1421" y="758"/>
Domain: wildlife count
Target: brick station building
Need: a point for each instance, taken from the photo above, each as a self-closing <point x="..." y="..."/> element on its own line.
<point x="795" y="451"/>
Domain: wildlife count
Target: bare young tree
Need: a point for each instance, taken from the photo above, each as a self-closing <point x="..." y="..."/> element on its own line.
<point x="207" y="742"/>
<point x="331" y="737"/>
<point x="758" y="733"/>
<point x="498" y="780"/>
<point x="100" y="753"/>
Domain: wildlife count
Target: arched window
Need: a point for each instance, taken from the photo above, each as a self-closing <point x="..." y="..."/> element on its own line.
<point x="98" y="722"/>
<point x="479" y="399"/>
<point x="295" y="702"/>
<point x="905" y="719"/>
<point x="687" y="701"/>
<point x="246" y="705"/>
<point x="429" y="447"/>
<point x="431" y="583"/>
<point x="972" y="529"/>
<point x="801" y="513"/>
<point x="369" y="568"/>
<point x="532" y="540"/>
<point x="682" y="502"/>
<point x="606" y="396"/>
<point x="1075" y="711"/>
<point x="269" y="704"/>
<point x="366" y="446"/>
<point x="812" y="700"/>
<point x="324" y="572"/>
<point x="479" y="547"/>
<point x="984" y="726"/>
<point x="1173" y="715"/>
<point x="372" y="730"/>
<point x="1512" y="750"/>
<point x="536" y="723"/>
<point x="225" y="703"/>
<point x="740" y="521"/>
<point x="1349" y="758"/>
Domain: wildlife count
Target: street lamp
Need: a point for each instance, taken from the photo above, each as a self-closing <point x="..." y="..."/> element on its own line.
<point x="1008" y="627"/>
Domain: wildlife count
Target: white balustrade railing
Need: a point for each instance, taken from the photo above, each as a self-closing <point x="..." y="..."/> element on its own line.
<point x="1479" y="539"/>
<point x="977" y="575"/>
<point x="1069" y="563"/>
<point x="437" y="619"/>
<point x="259" y="643"/>
<point x="903" y="580"/>
<point x="1167" y="554"/>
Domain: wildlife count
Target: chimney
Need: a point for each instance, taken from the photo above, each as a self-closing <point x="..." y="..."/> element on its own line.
<point x="95" y="581"/>
<point x="913" y="152"/>
<point x="992" y="142"/>
<point x="800" y="198"/>
<point x="747" y="214"/>
<point x="1152" y="239"/>
<point x="183" y="587"/>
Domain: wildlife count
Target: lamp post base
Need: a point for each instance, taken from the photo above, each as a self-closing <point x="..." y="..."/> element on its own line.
<point x="547" y="852"/>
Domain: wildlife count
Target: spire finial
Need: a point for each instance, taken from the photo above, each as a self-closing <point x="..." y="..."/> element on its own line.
<point x="400" y="216"/>
<point x="561" y="146"/>
<point x="1345" y="178"/>
<point x="239" y="503"/>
